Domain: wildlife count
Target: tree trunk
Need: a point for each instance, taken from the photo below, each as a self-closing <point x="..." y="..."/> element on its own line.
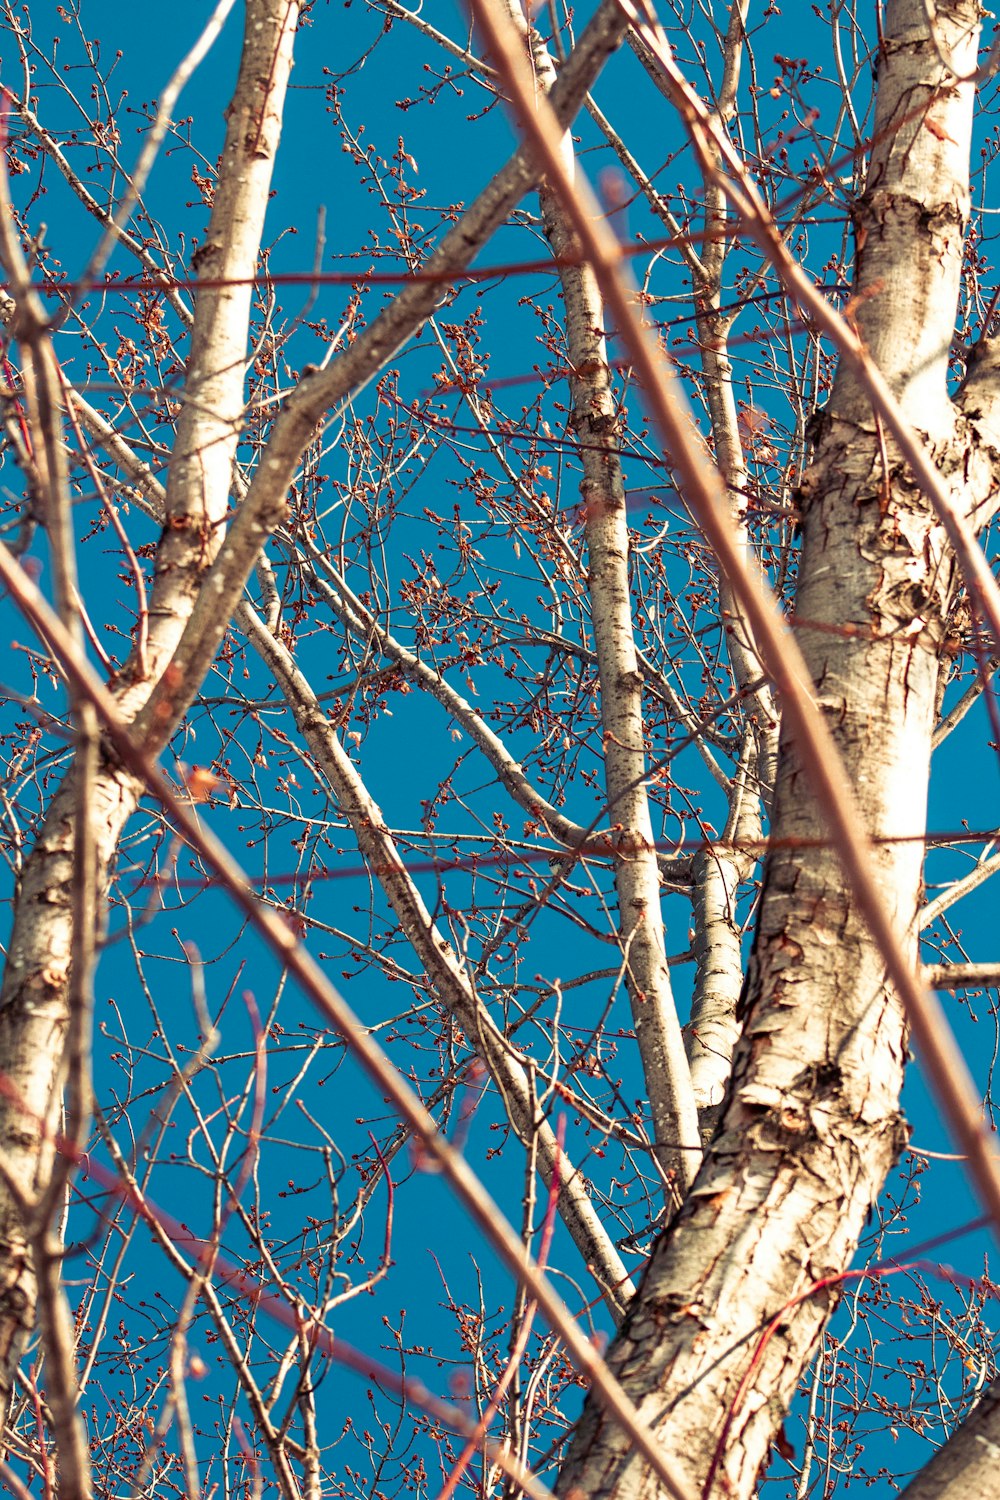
<point x="594" y="422"/>
<point x="735" y="1295"/>
<point x="34" y="1002"/>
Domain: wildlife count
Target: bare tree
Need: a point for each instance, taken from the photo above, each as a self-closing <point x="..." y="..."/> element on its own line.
<point x="383" y="523"/>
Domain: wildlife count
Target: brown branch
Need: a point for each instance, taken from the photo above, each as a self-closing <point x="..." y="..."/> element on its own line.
<point x="946" y="1067"/>
<point x="390" y="1083"/>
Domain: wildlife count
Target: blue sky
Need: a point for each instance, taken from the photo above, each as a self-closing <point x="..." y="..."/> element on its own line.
<point x="403" y="754"/>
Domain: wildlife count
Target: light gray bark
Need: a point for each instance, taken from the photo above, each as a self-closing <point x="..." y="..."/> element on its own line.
<point x="594" y="420"/>
<point x="200" y="573"/>
<point x="34" y="998"/>
<point x="811" y="1123"/>
<point x="210" y="421"/>
<point x="713" y="1030"/>
<point x="711" y="1034"/>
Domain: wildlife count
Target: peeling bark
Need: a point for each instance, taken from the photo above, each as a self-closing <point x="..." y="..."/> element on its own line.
<point x="811" y="1123"/>
<point x="739" y="1285"/>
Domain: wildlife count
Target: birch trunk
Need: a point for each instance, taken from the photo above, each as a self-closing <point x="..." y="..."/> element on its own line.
<point x="201" y="569"/>
<point x="811" y="1123"/>
<point x="594" y="421"/>
<point x="966" y="1468"/>
<point x="711" y="1034"/>
<point x="34" y="1010"/>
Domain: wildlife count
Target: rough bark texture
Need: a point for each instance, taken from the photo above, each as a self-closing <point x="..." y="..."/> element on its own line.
<point x="811" y="1123"/>
<point x="735" y="1294"/>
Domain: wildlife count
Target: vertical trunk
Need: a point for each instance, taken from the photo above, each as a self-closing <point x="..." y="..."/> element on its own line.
<point x="210" y="420"/>
<point x="595" y="422"/>
<point x="713" y="1029"/>
<point x="717" y="375"/>
<point x="36" y="983"/>
<point x="155" y="690"/>
<point x="811" y="1123"/>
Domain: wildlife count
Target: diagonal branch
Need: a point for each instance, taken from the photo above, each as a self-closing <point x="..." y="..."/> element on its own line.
<point x="210" y="421"/>
<point x="362" y="1043"/>
<point x="364" y="624"/>
<point x="440" y="962"/>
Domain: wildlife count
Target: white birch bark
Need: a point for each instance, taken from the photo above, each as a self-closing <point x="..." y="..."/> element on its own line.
<point x="713" y="1029"/>
<point x="200" y="573"/>
<point x="210" y="421"/>
<point x="321" y="391"/>
<point x="811" y="1123"/>
<point x="711" y="1032"/>
<point x="594" y="419"/>
<point x="717" y="375"/>
<point x="36" y="984"/>
<point x="967" y="1467"/>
